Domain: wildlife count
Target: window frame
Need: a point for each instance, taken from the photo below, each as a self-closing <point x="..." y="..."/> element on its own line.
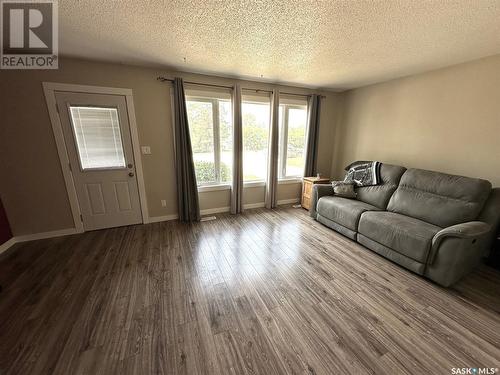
<point x="216" y="141"/>
<point x="282" y="150"/>
<point x="283" y="142"/>
<point x="265" y="101"/>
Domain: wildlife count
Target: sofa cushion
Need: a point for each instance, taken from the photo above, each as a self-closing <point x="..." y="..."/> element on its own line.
<point x="392" y="255"/>
<point x="379" y="195"/>
<point x="337" y="227"/>
<point x="343" y="211"/>
<point x="406" y="235"/>
<point x="438" y="198"/>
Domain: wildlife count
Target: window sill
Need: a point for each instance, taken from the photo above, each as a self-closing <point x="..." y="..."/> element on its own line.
<point x="293" y="180"/>
<point x="205" y="188"/>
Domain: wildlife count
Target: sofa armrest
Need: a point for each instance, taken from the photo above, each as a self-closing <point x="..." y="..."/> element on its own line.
<point x="469" y="230"/>
<point x="318" y="191"/>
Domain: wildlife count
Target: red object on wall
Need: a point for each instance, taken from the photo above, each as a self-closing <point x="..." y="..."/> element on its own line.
<point x="5" y="232"/>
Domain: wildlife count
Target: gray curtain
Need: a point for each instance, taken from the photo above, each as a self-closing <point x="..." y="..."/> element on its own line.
<point x="272" y="167"/>
<point x="237" y="184"/>
<point x="313" y="114"/>
<point x="187" y="189"/>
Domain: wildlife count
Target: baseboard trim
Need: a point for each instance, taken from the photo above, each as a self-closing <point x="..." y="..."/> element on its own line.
<point x="7" y="244"/>
<point x="249" y="206"/>
<point x="36" y="236"/>
<point x="288" y="201"/>
<point x="217" y="210"/>
<point x="44" y="235"/>
<point x="159" y="219"/>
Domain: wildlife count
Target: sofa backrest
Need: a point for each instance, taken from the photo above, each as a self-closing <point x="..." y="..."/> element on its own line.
<point x="379" y="195"/>
<point x="438" y="198"/>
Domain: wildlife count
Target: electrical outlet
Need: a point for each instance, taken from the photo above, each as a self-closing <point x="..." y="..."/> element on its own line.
<point x="163" y="203"/>
<point x="146" y="150"/>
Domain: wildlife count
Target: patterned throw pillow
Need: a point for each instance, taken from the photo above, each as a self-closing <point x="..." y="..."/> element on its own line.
<point x="344" y="189"/>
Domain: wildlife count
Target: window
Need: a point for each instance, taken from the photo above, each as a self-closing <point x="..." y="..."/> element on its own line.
<point x="256" y="116"/>
<point x="210" y="127"/>
<point x="292" y="139"/>
<point x="98" y="138"/>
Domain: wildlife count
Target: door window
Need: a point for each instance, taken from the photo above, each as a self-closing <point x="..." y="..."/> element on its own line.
<point x="98" y="138"/>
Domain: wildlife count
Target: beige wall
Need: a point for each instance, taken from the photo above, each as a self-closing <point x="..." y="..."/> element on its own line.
<point x="32" y="187"/>
<point x="446" y="120"/>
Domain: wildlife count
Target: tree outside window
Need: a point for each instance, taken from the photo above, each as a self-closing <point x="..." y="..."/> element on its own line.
<point x="293" y="122"/>
<point x="255" y="116"/>
<point x="210" y="126"/>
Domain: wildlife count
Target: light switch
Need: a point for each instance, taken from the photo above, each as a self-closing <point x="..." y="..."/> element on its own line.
<point x="163" y="203"/>
<point x="146" y="150"/>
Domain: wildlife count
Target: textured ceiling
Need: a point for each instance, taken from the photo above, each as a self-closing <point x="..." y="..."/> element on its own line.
<point x="328" y="44"/>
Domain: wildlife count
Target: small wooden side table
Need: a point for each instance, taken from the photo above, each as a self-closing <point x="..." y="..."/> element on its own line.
<point x="307" y="184"/>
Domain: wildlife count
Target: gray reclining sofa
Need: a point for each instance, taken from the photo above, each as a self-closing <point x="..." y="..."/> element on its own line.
<point x="434" y="224"/>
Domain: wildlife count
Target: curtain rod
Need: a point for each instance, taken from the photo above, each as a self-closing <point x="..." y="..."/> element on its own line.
<point x="164" y="79"/>
<point x="281" y="92"/>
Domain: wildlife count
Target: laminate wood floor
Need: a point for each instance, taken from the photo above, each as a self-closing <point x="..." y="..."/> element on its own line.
<point x="266" y="292"/>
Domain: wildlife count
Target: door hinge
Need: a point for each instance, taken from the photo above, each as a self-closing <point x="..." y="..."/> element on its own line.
<point x="57" y="108"/>
<point x="81" y="218"/>
<point x="70" y="168"/>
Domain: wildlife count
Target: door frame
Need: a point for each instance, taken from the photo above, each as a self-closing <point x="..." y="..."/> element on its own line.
<point x="50" y="89"/>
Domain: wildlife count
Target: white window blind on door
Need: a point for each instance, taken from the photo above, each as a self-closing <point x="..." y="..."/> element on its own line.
<point x="98" y="137"/>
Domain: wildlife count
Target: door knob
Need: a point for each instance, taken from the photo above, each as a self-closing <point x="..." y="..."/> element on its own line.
<point x="131" y="174"/>
<point x="130" y="165"/>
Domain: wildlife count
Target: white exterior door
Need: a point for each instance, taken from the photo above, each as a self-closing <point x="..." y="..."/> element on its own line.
<point x="97" y="137"/>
